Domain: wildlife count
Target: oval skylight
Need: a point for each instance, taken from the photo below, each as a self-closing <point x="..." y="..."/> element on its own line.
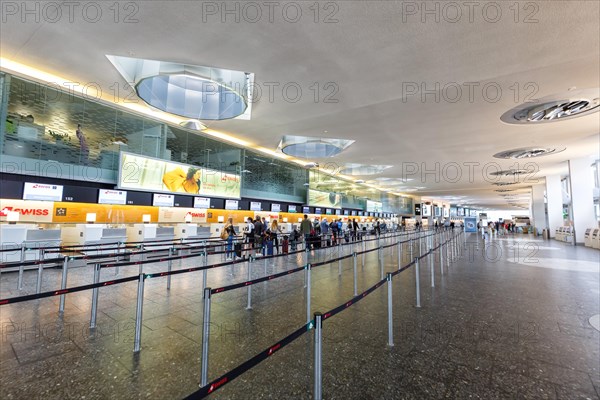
<point x="312" y="147"/>
<point x="191" y="96"/>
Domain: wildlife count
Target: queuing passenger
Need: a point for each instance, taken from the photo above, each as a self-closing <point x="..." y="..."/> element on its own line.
<point x="230" y="232"/>
<point x="325" y="231"/>
<point x="258" y="232"/>
<point x="305" y="228"/>
<point x="274" y="231"/>
<point x="354" y="229"/>
<point x="249" y="232"/>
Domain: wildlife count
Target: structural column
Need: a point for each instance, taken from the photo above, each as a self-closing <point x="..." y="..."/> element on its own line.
<point x="582" y="196"/>
<point x="555" y="203"/>
<point x="538" y="208"/>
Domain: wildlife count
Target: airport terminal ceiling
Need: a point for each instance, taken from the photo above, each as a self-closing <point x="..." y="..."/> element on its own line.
<point x="410" y="93"/>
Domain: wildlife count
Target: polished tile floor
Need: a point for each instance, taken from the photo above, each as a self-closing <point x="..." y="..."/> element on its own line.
<point x="508" y="319"/>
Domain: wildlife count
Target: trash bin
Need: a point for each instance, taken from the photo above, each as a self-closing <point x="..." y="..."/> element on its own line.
<point x="545" y="234"/>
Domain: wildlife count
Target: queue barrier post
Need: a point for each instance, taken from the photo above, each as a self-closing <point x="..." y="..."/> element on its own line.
<point x="318" y="393"/>
<point x="431" y="269"/>
<point x="205" y="337"/>
<point x="417" y="283"/>
<point x="38" y="288"/>
<point x="448" y="257"/>
<point x="141" y="270"/>
<point x="205" y="271"/>
<point x="94" y="310"/>
<point x="265" y="262"/>
<point x="441" y="255"/>
<point x="63" y="285"/>
<point x="363" y="250"/>
<point x="249" y="305"/>
<point x="390" y="315"/>
<point x="169" y="267"/>
<point x="339" y="257"/>
<point x="139" y="308"/>
<point x="355" y="260"/>
<point x="308" y="293"/>
<point x="21" y="268"/>
<point x="381" y="261"/>
<point x="399" y="244"/>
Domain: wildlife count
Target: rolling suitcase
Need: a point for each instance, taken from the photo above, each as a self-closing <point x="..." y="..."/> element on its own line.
<point x="237" y="248"/>
<point x="285" y="245"/>
<point x="269" y="247"/>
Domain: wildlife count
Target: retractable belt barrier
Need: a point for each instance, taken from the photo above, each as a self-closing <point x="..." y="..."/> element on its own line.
<point x="160" y="274"/>
<point x="212" y="386"/>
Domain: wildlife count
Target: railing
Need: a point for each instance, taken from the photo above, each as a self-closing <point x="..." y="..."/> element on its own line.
<point x="416" y="239"/>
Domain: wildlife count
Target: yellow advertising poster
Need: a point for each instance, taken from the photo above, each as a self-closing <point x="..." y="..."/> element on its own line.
<point x="150" y="174"/>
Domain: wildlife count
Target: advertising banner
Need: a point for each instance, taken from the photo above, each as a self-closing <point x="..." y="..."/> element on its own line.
<point x="470" y="224"/>
<point x="156" y="175"/>
<point x="317" y="198"/>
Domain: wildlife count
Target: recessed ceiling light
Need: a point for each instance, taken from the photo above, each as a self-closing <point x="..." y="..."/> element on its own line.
<point x="528" y="152"/>
<point x="567" y="105"/>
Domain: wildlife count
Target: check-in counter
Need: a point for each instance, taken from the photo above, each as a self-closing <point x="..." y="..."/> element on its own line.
<point x="184" y="231"/>
<point x="215" y="230"/>
<point x="12" y="237"/>
<point x="286" y="228"/>
<point x="141" y="232"/>
<point x="28" y="241"/>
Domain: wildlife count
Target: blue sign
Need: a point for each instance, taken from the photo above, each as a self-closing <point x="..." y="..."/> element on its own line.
<point x="471" y="224"/>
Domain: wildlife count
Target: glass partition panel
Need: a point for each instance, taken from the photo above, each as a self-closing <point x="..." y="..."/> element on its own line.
<point x="273" y="179"/>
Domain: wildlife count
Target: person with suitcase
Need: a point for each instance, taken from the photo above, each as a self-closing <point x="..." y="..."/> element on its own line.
<point x="269" y="244"/>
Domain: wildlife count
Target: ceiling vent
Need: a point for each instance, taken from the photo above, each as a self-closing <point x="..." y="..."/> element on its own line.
<point x="503" y="190"/>
<point x="504" y="183"/>
<point x="525" y="153"/>
<point x="558" y="107"/>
